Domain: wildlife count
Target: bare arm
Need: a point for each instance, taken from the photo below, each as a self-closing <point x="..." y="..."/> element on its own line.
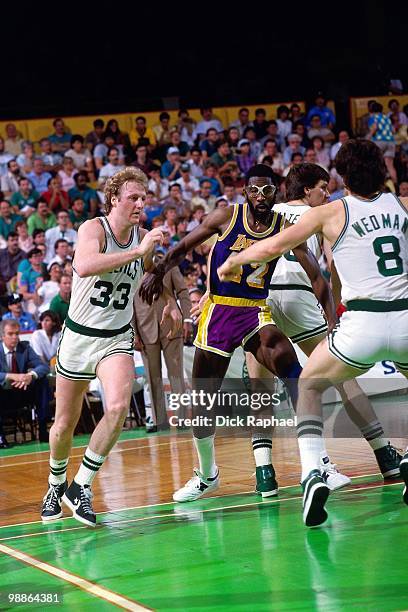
<point x="89" y="260"/>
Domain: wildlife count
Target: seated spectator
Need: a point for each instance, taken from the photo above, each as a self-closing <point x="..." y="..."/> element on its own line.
<point x="211" y="174"/>
<point x="14" y="140"/>
<point x="38" y="177"/>
<point x="113" y="166"/>
<point x="284" y="123"/>
<point x="208" y="146"/>
<point x="60" y="139"/>
<point x="206" y="195"/>
<point x="189" y="185"/>
<point x="393" y="107"/>
<point x="49" y="288"/>
<point x="42" y="219"/>
<point x="231" y="196"/>
<point x="334" y="189"/>
<point x="86" y="193"/>
<point x="296" y="116"/>
<point x="77" y="214"/>
<point x="52" y="161"/>
<point x="25" y="241"/>
<point x="175" y="199"/>
<point x="242" y="122"/>
<point x="62" y="252"/>
<point x="297" y="158"/>
<point x="271" y="150"/>
<point x="403" y="189"/>
<point x="142" y="132"/>
<point x="9" y="181"/>
<point x="400" y="131"/>
<point x="8" y="219"/>
<point x="60" y="303"/>
<point x="159" y="186"/>
<point x="294" y="146"/>
<point x="121" y="138"/>
<point x="80" y="155"/>
<point x="181" y="227"/>
<point x="31" y="279"/>
<point x="67" y="174"/>
<point x="233" y="138"/>
<point x="259" y="124"/>
<point x="170" y="170"/>
<point x="24" y="201"/>
<point x="197" y="216"/>
<point x="273" y="134"/>
<point x="44" y="341"/>
<point x="187" y="127"/>
<point x="343" y="137"/>
<point x="95" y="137"/>
<point x="175" y="141"/>
<point x="55" y="196"/>
<point x="322" y="154"/>
<point x="170" y="218"/>
<point x="162" y="130"/>
<point x="310" y="156"/>
<point x="152" y="208"/>
<point x="26" y="158"/>
<point x="208" y="121"/>
<point x="101" y="151"/>
<point x="254" y="145"/>
<point x="142" y="160"/>
<point x="196" y="163"/>
<point x="5" y="157"/>
<point x="325" y="114"/>
<point x="61" y="231"/>
<point x="10" y="257"/>
<point x="223" y="157"/>
<point x="300" y="129"/>
<point x="23" y="376"/>
<point x="244" y="158"/>
<point x="381" y="133"/>
<point x="316" y="129"/>
<point x="16" y="313"/>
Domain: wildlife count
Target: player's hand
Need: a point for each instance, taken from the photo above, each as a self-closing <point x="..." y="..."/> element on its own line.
<point x="228" y="270"/>
<point x="172" y="315"/>
<point x="198" y="308"/>
<point x="155" y="236"/>
<point x="152" y="285"/>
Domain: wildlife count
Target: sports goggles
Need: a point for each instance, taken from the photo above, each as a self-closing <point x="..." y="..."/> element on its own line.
<point x="266" y="190"/>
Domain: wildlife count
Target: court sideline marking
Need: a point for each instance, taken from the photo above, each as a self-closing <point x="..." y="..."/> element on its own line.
<point x="82" y="583"/>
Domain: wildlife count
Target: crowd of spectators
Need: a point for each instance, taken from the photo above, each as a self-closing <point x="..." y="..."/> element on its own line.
<point x="48" y="188"/>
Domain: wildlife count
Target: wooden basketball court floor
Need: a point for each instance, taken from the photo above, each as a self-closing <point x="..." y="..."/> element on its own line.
<point x="230" y="551"/>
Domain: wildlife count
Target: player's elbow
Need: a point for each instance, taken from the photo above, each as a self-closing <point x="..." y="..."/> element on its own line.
<point x="82" y="269"/>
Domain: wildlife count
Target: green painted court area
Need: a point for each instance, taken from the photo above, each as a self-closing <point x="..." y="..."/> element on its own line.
<point x="227" y="553"/>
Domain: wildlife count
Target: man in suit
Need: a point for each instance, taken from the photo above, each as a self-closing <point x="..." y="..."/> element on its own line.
<point x="23" y="377"/>
<point x="152" y="338"/>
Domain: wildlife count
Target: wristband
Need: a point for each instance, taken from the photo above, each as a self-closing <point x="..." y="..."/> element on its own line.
<point x="188" y="321"/>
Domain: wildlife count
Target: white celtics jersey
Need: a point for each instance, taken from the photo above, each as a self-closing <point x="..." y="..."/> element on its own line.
<point x="105" y="302"/>
<point x="288" y="271"/>
<point x="371" y="252"/>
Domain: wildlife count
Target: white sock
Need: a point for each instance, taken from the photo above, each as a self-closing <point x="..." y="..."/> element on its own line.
<point x="262" y="447"/>
<point x="91" y="464"/>
<point x="206" y="456"/>
<point x="58" y="471"/>
<point x="311" y="443"/>
<point x="373" y="433"/>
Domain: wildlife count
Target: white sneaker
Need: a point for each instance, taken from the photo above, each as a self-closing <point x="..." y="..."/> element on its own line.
<point x="335" y="479"/>
<point x="196" y="487"/>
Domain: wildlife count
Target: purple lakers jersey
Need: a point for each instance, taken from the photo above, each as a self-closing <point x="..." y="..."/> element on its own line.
<point x="253" y="280"/>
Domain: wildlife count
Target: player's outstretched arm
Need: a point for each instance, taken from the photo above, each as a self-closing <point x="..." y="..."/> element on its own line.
<point x="320" y="286"/>
<point x="214" y="223"/>
<point x="273" y="247"/>
<point x="90" y="261"/>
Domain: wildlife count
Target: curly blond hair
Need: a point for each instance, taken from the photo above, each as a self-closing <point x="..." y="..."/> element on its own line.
<point x="115" y="183"/>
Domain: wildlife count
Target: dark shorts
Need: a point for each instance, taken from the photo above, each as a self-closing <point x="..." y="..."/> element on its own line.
<point x="227" y="323"/>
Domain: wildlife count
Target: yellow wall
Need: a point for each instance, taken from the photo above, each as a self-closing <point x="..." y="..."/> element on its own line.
<point x="35" y="129"/>
<point x="358" y="106"/>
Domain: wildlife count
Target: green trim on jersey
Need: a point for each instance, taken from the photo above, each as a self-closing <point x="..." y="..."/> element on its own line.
<point x="104" y="231"/>
<point x="343" y="231"/>
<point x="377" y="305"/>
<point x="290" y="287"/>
<point x="368" y="200"/>
<point x="335" y="351"/>
<point x="121" y="246"/>
<point x="95" y="333"/>
<point x="400" y="204"/>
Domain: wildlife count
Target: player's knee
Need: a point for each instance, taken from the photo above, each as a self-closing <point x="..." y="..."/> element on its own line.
<point x="116" y="409"/>
<point x="63" y="425"/>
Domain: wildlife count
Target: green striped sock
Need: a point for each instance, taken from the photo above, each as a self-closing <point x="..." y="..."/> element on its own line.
<point x="91" y="464"/>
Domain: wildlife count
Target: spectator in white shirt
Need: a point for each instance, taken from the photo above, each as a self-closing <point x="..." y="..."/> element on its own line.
<point x="44" y="341"/>
<point x="62" y="230"/>
<point x="50" y="288"/>
<point x="208" y="121"/>
<point x="113" y="166"/>
<point x="189" y="185"/>
<point x="343" y="137"/>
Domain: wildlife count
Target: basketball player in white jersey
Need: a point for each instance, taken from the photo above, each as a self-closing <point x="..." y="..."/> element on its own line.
<point x="97" y="338"/>
<point x="297" y="314"/>
<point x="367" y="231"/>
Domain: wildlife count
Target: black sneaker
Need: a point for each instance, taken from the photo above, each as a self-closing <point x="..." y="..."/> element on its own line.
<point x="388" y="459"/>
<point x="51" y="508"/>
<point x="266" y="484"/>
<point x="404" y="475"/>
<point x="315" y="494"/>
<point x="78" y="498"/>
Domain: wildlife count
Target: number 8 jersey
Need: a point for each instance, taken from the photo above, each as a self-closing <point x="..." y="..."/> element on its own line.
<point x="105" y="302"/>
<point x="252" y="283"/>
<point x="371" y="252"/>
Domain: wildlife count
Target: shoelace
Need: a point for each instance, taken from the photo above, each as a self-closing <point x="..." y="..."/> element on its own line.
<point x="86" y="500"/>
<point x="330" y="468"/>
<point x="51" y="497"/>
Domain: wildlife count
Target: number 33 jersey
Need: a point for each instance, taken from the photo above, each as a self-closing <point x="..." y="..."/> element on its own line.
<point x="371" y="252"/>
<point x="252" y="282"/>
<point x="105" y="302"/>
